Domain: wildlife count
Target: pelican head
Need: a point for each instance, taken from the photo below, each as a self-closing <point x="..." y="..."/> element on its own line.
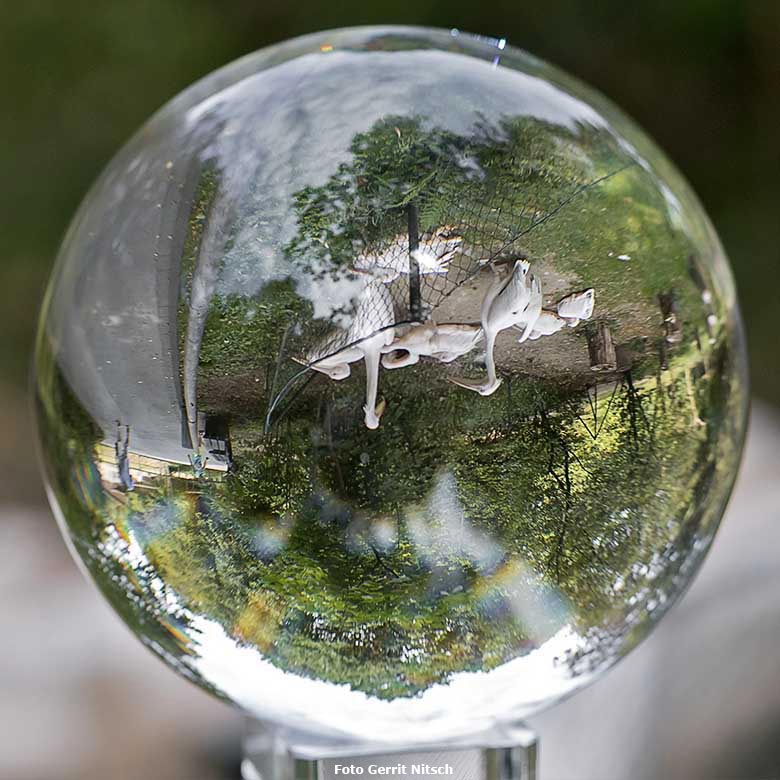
<point x="400" y="358"/>
<point x="577" y="306"/>
<point x="373" y="416"/>
<point x="339" y="371"/>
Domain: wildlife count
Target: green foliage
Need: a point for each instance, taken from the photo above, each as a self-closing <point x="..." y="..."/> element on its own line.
<point x="395" y="163"/>
<point x="243" y="334"/>
<point x="332" y="579"/>
<point x="273" y="479"/>
<point x="494" y="186"/>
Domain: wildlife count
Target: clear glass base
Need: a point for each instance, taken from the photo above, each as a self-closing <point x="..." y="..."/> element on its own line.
<point x="273" y="754"/>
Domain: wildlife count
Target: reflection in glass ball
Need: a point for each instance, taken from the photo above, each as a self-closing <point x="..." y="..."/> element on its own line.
<point x="390" y="384"/>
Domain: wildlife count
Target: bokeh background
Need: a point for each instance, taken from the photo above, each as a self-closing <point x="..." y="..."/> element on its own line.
<point x="77" y="698"/>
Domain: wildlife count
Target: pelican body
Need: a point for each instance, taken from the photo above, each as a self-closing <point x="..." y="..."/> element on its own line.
<point x="368" y="335"/>
<point x="505" y="304"/>
<point x="433" y="255"/>
<point x="445" y="343"/>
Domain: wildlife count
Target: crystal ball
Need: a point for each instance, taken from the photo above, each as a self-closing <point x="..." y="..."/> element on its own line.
<point x="390" y="384"/>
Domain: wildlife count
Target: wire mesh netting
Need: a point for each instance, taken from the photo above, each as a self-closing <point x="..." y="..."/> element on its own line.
<point x="432" y="244"/>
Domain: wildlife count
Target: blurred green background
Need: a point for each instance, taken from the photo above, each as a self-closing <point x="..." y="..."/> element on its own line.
<point x="79" y="76"/>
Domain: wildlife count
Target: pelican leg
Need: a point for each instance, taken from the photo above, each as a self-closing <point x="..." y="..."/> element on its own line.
<point x="371" y="411"/>
<point x="490" y="362"/>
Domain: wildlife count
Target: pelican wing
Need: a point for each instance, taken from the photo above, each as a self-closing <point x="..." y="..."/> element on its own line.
<point x="533" y="310"/>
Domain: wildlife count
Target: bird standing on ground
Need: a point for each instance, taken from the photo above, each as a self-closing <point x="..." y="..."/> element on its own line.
<point x="370" y="332"/>
<point x="432" y="254"/>
<point x="504" y="305"/>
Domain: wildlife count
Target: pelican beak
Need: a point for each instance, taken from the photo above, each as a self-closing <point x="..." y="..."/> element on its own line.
<point x="469" y="384"/>
<point x="478" y="387"/>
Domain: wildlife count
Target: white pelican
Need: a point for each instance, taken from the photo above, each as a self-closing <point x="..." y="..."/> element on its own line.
<point x="571" y="310"/>
<point x="533" y="310"/>
<point x="503" y="306"/>
<point x="548" y="323"/>
<point x="443" y="342"/>
<point x="368" y="334"/>
<point x="433" y="255"/>
<point x="334" y="366"/>
<point x="577" y="306"/>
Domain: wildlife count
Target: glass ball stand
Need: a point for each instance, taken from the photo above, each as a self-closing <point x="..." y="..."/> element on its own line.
<point x="271" y="753"/>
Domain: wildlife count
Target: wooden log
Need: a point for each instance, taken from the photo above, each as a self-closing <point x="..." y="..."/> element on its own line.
<point x="672" y="325"/>
<point x="663" y="355"/>
<point x="696" y="273"/>
<point x="601" y="348"/>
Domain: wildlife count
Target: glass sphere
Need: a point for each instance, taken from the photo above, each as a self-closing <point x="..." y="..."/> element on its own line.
<point x="390" y="384"/>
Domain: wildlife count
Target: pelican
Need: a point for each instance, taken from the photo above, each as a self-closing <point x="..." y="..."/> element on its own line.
<point x="367" y="336"/>
<point x="571" y="310"/>
<point x="533" y="310"/>
<point x="336" y="365"/>
<point x="436" y="249"/>
<point x="577" y="306"/>
<point x="433" y="255"/>
<point x="548" y="323"/>
<point x="371" y="333"/>
<point x="503" y="306"/>
<point x="443" y="342"/>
